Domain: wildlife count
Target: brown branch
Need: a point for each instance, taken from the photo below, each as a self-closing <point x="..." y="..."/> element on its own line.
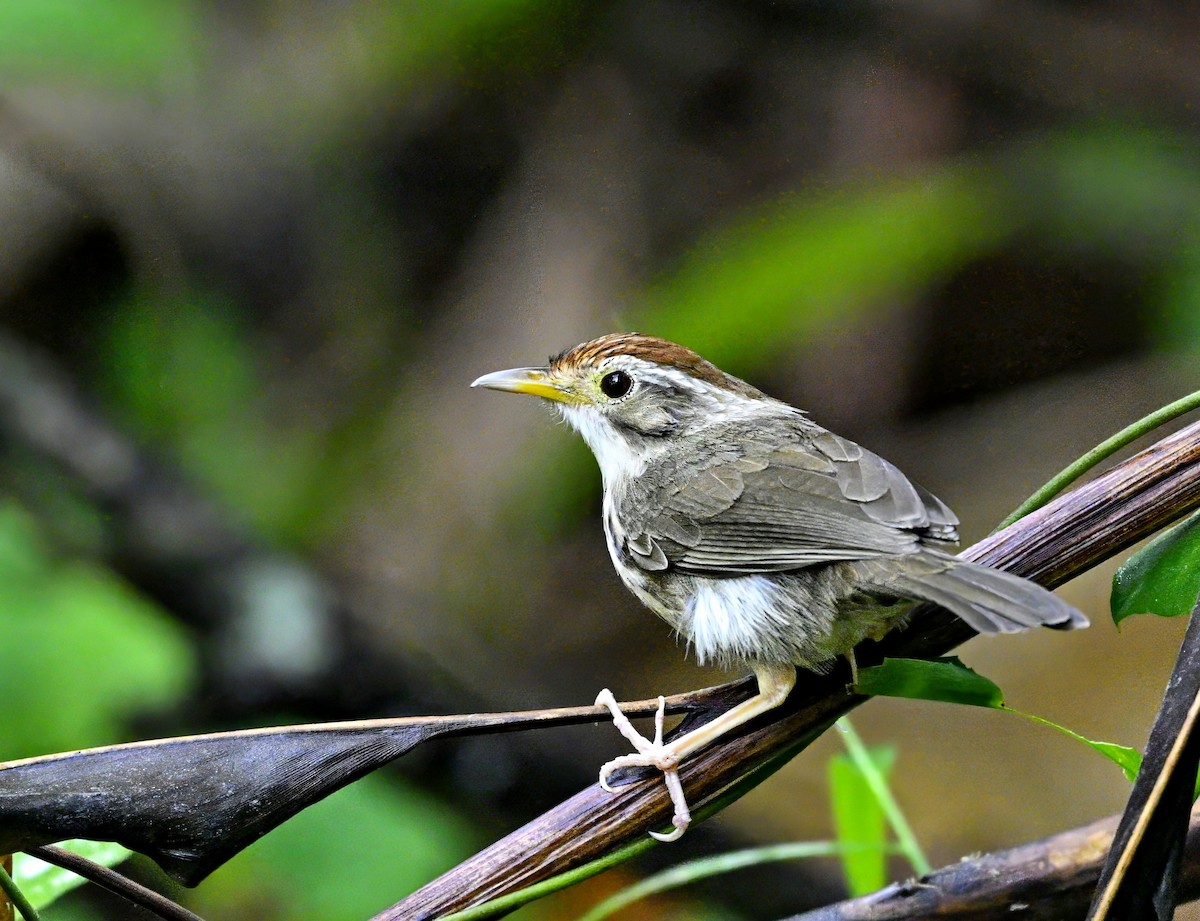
<point x="115" y="882"/>
<point x="1070" y="535"/>
<point x="1052" y="878"/>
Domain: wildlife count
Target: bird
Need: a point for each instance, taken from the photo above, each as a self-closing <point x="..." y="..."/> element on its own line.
<point x="763" y="539"/>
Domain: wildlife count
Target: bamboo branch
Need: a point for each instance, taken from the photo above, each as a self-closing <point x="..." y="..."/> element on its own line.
<point x="1050" y="880"/>
<point x="1051" y="545"/>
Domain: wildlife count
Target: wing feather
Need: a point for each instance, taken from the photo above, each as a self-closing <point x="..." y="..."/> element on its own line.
<point x="777" y="508"/>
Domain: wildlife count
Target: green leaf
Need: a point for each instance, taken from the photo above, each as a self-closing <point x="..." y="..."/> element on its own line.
<point x="1163" y="577"/>
<point x="1127" y="759"/>
<point x="858" y="819"/>
<point x="44" y="883"/>
<point x="950" y="681"/>
<point x="947" y="680"/>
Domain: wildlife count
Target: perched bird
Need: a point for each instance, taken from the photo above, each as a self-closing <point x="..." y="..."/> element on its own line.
<point x="763" y="539"/>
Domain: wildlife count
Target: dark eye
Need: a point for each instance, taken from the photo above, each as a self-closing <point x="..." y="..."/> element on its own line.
<point x="616" y="384"/>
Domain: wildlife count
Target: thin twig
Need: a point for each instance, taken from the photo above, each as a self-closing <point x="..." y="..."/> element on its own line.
<point x="1050" y="545"/>
<point x="114" y="882"/>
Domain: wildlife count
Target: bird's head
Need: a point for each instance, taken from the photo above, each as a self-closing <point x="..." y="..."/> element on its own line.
<point x="629" y="395"/>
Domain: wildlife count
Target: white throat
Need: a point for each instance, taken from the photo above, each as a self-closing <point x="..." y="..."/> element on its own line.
<point x="617" y="462"/>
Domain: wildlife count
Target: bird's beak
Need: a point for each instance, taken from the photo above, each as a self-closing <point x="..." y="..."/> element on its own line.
<point x="535" y="381"/>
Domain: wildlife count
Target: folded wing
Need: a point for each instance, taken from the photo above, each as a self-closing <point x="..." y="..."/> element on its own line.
<point x="777" y="508"/>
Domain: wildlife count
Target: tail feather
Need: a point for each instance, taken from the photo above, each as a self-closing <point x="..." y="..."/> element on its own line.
<point x="989" y="600"/>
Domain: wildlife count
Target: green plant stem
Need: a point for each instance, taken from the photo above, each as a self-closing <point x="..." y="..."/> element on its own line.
<point x="905" y="838"/>
<point x="695" y="870"/>
<point x="1109" y="446"/>
<point x="735" y="791"/>
<point x="17" y="897"/>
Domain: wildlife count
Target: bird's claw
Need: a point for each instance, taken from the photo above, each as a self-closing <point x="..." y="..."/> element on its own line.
<point x="683" y="817"/>
<point x="649" y="753"/>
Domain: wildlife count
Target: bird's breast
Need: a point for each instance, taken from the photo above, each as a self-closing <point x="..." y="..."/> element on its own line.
<point x="651" y="589"/>
<point x="731" y="620"/>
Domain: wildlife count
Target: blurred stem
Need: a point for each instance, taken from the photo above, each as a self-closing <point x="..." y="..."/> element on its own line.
<point x="17" y="897"/>
<point x="695" y="870"/>
<point x="883" y="795"/>
<point x="1109" y="446"/>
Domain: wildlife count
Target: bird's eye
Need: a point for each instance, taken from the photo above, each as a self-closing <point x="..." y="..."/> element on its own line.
<point x="616" y="384"/>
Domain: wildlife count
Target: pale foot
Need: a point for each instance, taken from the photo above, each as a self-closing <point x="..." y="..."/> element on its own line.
<point x="650" y="753"/>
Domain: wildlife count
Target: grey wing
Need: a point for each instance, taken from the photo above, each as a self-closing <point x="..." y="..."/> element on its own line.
<point x="773" y="509"/>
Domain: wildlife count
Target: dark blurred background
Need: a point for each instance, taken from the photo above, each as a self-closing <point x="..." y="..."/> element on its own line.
<point x="252" y="254"/>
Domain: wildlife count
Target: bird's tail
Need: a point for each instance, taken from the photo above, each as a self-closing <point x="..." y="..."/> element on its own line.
<point x="989" y="600"/>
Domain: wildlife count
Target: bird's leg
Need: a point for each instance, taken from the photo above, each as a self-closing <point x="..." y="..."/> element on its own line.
<point x="775" y="682"/>
<point x="853" y="667"/>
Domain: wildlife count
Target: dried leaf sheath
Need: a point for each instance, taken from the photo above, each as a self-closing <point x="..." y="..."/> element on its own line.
<point x="193" y="802"/>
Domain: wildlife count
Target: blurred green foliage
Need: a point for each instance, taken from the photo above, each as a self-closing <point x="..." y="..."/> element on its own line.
<point x="82" y="652"/>
<point x="188" y="376"/>
<point x="790" y="269"/>
<point x="137" y="44"/>
<point x="124" y="43"/>
<point x="785" y="271"/>
<point x="343" y="859"/>
<point x="858" y="819"/>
